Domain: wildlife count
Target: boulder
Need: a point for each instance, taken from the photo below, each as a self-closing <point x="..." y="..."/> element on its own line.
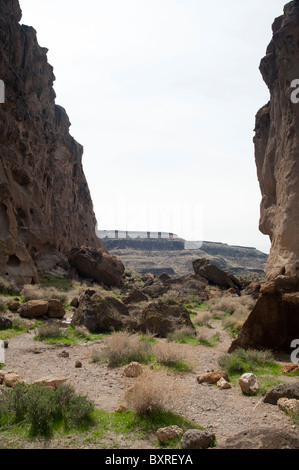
<point x="272" y="323"/>
<point x="135" y="296"/>
<point x="212" y="377"/>
<point x="5" y="323"/>
<point x="169" y="433"/>
<point x="248" y="384"/>
<point x="14" y="306"/>
<point x="196" y="439"/>
<point x="95" y="264"/>
<point x="160" y="319"/>
<point x="102" y="312"/>
<point x="34" y="309"/>
<point x="262" y="438"/>
<point x="56" y="309"/>
<point x="289" y="405"/>
<point x="203" y="268"/>
<point x="282" y="391"/>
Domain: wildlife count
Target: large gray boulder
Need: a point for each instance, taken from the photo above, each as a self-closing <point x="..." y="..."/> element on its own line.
<point x="102" y="312"/>
<point x="161" y="318"/>
<point x="262" y="438"/>
<point x="282" y="391"/>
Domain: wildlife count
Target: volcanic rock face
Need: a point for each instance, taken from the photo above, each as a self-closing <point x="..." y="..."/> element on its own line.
<point x="277" y="146"/>
<point x="45" y="204"/>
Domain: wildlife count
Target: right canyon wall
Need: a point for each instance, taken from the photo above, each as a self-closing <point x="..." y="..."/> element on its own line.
<point x="277" y="146"/>
<point x="274" y="321"/>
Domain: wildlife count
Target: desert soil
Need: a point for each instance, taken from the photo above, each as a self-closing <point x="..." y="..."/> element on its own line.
<point x="223" y="412"/>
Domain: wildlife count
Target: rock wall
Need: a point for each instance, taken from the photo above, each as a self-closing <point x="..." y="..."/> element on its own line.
<point x="277" y="146"/>
<point x="45" y="204"/>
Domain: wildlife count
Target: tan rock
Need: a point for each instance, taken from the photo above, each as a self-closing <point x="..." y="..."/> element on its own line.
<point x="248" y="384"/>
<point x="51" y="382"/>
<point x="10" y="378"/>
<point x="169" y="433"/>
<point x="223" y="384"/>
<point x="289" y="368"/>
<point x="290" y="405"/>
<point x="133" y="370"/>
<point x="212" y="377"/>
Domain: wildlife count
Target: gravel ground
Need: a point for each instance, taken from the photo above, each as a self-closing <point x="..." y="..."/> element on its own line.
<point x="223" y="412"/>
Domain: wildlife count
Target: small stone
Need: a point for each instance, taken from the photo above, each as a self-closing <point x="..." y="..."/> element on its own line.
<point x="223" y="384"/>
<point x="169" y="434"/>
<point x="212" y="377"/>
<point x="78" y="364"/>
<point x="248" y="384"/>
<point x="196" y="439"/>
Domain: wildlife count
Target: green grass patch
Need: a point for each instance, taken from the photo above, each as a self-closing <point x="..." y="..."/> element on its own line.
<point x="211" y="342"/>
<point x="260" y="363"/>
<point x="61" y="283"/>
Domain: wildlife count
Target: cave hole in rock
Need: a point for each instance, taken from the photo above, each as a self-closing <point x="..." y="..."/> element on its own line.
<point x="13" y="261"/>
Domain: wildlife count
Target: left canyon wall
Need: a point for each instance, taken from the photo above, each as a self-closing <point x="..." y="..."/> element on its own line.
<point x="45" y="203"/>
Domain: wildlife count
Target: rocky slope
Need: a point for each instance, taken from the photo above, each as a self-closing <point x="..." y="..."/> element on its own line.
<point x="45" y="204"/>
<point x="277" y="146"/>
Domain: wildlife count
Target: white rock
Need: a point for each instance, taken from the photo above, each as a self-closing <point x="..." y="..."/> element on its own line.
<point x="249" y="384"/>
<point x="223" y="384"/>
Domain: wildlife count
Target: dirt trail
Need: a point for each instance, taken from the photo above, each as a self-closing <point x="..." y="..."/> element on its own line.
<point x="223" y="412"/>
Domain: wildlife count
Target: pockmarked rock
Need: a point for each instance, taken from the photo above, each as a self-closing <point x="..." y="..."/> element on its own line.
<point x="196" y="439"/>
<point x="98" y="265"/>
<point x="169" y="433"/>
<point x="282" y="391"/>
<point x="45" y="203"/>
<point x="212" y="377"/>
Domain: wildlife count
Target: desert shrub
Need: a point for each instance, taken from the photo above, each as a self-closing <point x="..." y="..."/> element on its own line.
<point x="82" y="331"/>
<point x="35" y="292"/>
<point x="123" y="347"/>
<point x="49" y="331"/>
<point x="155" y="391"/>
<point x="3" y="303"/>
<point x="44" y="408"/>
<point x="182" y="335"/>
<point x="8" y="287"/>
<point x="242" y="361"/>
<point x="202" y="319"/>
<point x="172" y="355"/>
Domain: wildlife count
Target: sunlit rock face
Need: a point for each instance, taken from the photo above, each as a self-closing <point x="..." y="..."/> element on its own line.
<point x="45" y="203"/>
<point x="277" y="146"/>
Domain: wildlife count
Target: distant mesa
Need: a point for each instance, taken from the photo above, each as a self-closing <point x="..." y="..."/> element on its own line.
<point x="148" y="241"/>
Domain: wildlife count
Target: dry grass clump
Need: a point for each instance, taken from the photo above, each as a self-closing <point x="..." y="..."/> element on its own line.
<point x="49" y="331"/>
<point x="155" y="391"/>
<point x="82" y="331"/>
<point x="123" y="347"/>
<point x="229" y="305"/>
<point x="8" y="287"/>
<point x="3" y="303"/>
<point x="35" y="292"/>
<point x="202" y="318"/>
<point x="169" y="354"/>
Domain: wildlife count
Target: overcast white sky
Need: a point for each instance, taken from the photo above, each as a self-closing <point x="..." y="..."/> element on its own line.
<point x="163" y="94"/>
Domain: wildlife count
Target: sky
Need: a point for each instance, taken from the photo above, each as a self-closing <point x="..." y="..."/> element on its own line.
<point x="162" y="94"/>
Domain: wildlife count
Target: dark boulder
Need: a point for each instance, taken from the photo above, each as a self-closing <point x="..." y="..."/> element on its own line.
<point x="92" y="263"/>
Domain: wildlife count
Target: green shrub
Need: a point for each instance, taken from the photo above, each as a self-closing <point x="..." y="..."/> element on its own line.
<point x="44" y="408"/>
<point x="242" y="361"/>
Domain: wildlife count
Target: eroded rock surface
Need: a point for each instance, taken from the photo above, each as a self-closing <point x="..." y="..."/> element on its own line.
<point x="45" y="204"/>
<point x="277" y="146"/>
